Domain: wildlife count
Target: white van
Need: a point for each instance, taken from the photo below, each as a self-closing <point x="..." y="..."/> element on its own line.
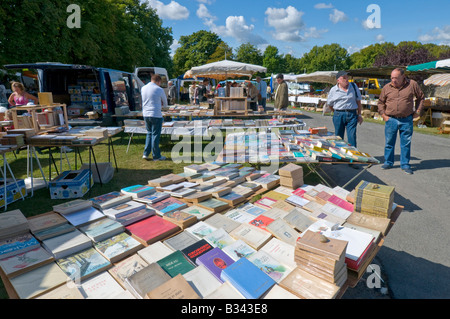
<point x="145" y="75"/>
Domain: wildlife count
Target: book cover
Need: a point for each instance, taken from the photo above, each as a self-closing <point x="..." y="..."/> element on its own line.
<point x="72" y="206"/>
<point x="176" y="263"/>
<point x="281" y="230"/>
<point x="153" y="198"/>
<point x="13" y="223"/>
<point x="127" y="267"/>
<point x="154" y="252"/>
<point x="200" y="229"/>
<point x="253" y="236"/>
<point x="84" y="264"/>
<point x="197" y="249"/>
<point x="136" y="216"/>
<point x="181" y="240"/>
<point x="117" y="247"/>
<point x="222" y="221"/>
<point x="180" y="218"/>
<point x="247" y="278"/>
<point x="16" y="245"/>
<point x="137" y="191"/>
<point x="67" y="244"/>
<point x="202" y="281"/>
<point x="152" y="229"/>
<point x="38" y="281"/>
<point x="84" y="216"/>
<point x="341" y="203"/>
<point x="239" y="249"/>
<point x="219" y="238"/>
<point x="175" y="288"/>
<point x="265" y="202"/>
<point x="215" y="261"/>
<point x="17" y="264"/>
<point x="214" y="205"/>
<point x="168" y="205"/>
<point x="102" y="229"/>
<point x="101" y="286"/>
<point x="197" y="211"/>
<point x="145" y="280"/>
<point x="123" y="209"/>
<point x="108" y="200"/>
<point x="45" y="221"/>
<point x="54" y="231"/>
<point x="261" y="222"/>
<point x="269" y="265"/>
<point x="281" y="251"/>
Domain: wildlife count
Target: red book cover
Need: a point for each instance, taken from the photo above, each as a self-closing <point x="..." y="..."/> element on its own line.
<point x="261" y="222"/>
<point x="341" y="203"/>
<point x="152" y="229"/>
<point x="299" y="192"/>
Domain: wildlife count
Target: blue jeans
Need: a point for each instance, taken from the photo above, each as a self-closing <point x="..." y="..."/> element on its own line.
<point x="154" y="127"/>
<point x="404" y="126"/>
<point x="346" y="120"/>
<point x="263" y="103"/>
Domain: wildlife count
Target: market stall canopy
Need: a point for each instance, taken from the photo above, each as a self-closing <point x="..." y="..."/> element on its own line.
<point x="381" y="72"/>
<point x="319" y="76"/>
<point x="224" y="69"/>
<point x="438" y="80"/>
<point x="440" y="66"/>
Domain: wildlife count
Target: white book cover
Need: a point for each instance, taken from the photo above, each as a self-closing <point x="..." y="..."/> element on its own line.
<point x="281" y="251"/>
<point x="155" y="252"/>
<point x="239" y="249"/>
<point x="337" y="211"/>
<point x="269" y="265"/>
<point x="84" y="216"/>
<point x="239" y="216"/>
<point x="202" y="281"/>
<point x="201" y="229"/>
<point x="219" y="238"/>
<point x="225" y="291"/>
<point x="63" y="245"/>
<point x="297" y="200"/>
<point x="252" y="235"/>
<point x="357" y="240"/>
<point x="123" y="209"/>
<point x="101" y="286"/>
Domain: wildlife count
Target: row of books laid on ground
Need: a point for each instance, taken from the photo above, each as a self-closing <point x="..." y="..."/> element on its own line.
<point x="144" y="242"/>
<point x="290" y="145"/>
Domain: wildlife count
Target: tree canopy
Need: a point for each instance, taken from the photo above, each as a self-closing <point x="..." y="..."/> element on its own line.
<point x="119" y="34"/>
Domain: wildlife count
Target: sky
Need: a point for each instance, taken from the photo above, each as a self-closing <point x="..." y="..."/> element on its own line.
<point x="295" y="27"/>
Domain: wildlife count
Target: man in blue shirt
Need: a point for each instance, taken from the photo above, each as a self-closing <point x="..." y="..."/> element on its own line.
<point x="262" y="87"/>
<point x="345" y="100"/>
<point x="153" y="98"/>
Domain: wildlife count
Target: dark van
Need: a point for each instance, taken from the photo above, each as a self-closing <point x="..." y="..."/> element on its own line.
<point x="85" y="88"/>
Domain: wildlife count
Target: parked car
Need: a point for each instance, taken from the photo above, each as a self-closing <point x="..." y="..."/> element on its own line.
<point x="85" y="88"/>
<point x="145" y="75"/>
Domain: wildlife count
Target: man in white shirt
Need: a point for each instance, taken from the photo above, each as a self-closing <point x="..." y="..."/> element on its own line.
<point x="153" y="98"/>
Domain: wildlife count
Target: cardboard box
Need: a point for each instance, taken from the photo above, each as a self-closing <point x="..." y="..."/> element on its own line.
<point x="12" y="192"/>
<point x="71" y="184"/>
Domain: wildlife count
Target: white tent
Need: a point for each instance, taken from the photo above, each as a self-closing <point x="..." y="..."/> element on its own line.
<point x="224" y="69"/>
<point x="319" y="76"/>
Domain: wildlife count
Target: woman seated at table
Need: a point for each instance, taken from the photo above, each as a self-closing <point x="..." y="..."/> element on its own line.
<point x="20" y="96"/>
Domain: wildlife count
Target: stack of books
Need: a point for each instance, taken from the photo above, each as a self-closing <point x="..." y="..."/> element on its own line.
<point x="374" y="199"/>
<point x="322" y="257"/>
<point x="291" y="176"/>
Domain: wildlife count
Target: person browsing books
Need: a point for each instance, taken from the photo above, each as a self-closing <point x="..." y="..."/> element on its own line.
<point x="344" y="99"/>
<point x="20" y="96"/>
<point x="153" y="98"/>
<point x="397" y="108"/>
<point x="281" y="94"/>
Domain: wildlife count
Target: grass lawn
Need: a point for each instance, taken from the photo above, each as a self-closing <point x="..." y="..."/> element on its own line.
<point x="132" y="169"/>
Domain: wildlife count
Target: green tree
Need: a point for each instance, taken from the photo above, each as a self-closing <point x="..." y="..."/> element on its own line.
<point x="223" y="51"/>
<point x="272" y="60"/>
<point x="366" y="57"/>
<point x="248" y="53"/>
<point x="195" y="49"/>
<point x="325" y="58"/>
<point x="118" y="34"/>
<point x="292" y="64"/>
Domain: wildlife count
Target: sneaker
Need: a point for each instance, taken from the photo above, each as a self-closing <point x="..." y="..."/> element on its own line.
<point x="162" y="158"/>
<point x="145" y="157"/>
<point x="386" y="166"/>
<point x="408" y="171"/>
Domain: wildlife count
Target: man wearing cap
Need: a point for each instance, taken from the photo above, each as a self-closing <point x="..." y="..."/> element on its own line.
<point x="281" y="94"/>
<point x="345" y="100"/>
<point x="397" y="108"/>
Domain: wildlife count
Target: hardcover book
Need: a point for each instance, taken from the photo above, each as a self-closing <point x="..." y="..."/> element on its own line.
<point x="247" y="278"/>
<point x="215" y="261"/>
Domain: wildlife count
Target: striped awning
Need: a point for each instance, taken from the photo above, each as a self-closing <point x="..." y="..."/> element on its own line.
<point x="438" y="79"/>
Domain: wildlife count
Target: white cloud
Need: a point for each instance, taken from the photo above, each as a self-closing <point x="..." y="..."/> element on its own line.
<point x="313" y="32"/>
<point x="171" y="11"/>
<point x="287" y="23"/>
<point x="203" y="13"/>
<point x="440" y="35"/>
<point x="323" y="6"/>
<point x="174" y="46"/>
<point x="338" y="16"/>
<point x="236" y="27"/>
<point x="380" y="38"/>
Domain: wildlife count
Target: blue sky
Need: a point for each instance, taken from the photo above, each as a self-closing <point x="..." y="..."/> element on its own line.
<point x="297" y="26"/>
